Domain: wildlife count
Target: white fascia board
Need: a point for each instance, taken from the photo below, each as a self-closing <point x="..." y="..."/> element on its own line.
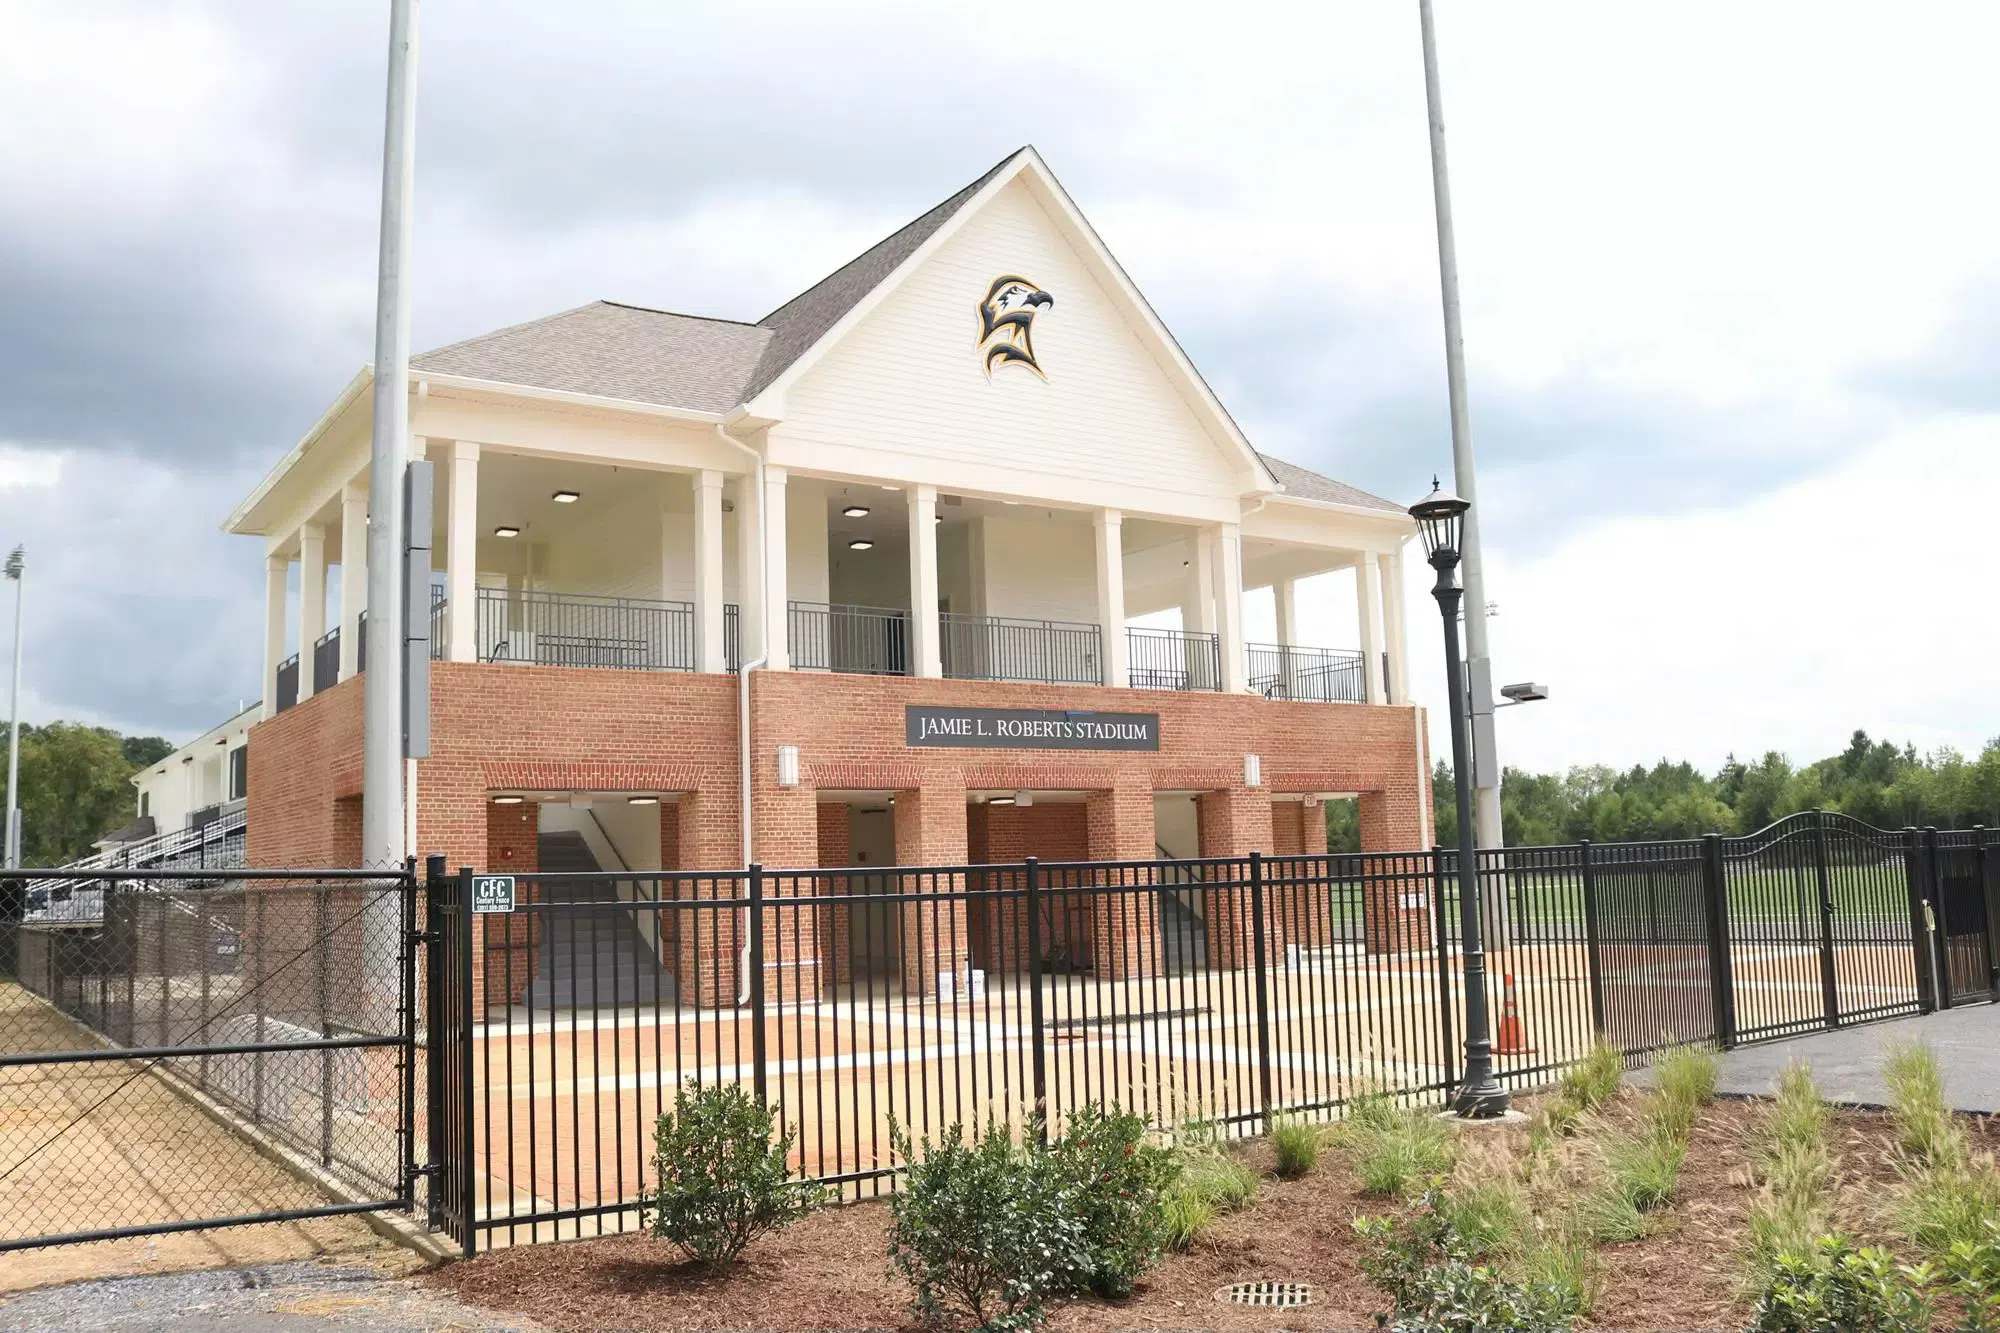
<point x="575" y="432"/>
<point x="864" y="465"/>
<point x="238" y="520"/>
<point x="1290" y="518"/>
<point x="567" y="396"/>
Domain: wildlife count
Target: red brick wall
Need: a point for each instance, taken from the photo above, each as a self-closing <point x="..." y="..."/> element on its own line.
<point x="512" y="951"/>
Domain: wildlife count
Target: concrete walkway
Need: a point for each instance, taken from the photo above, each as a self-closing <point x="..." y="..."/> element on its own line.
<point x="267" y="1298"/>
<point x="1847" y="1065"/>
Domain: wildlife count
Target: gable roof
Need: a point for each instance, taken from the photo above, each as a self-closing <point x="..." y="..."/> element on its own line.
<point x="704" y="364"/>
<point x="804" y="320"/>
<point x="614" y="351"/>
<point x="1305" y="484"/>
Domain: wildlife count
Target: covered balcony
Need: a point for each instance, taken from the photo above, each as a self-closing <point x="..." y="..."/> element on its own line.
<point x="557" y="561"/>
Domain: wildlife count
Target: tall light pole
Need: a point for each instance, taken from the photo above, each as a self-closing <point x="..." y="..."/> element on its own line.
<point x="1483" y="774"/>
<point x="1441" y="518"/>
<point x="17" y="566"/>
<point x="382" y="692"/>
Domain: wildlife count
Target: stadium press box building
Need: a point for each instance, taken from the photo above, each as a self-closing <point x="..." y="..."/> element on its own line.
<point x="912" y="513"/>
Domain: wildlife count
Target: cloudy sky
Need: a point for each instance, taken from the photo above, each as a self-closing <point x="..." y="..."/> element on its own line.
<point x="1730" y="279"/>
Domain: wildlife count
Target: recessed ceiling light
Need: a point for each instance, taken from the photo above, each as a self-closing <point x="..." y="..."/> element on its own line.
<point x="565" y="497"/>
<point x="999" y="800"/>
<point x="506" y="530"/>
<point x="855" y="511"/>
<point x="642" y="800"/>
<point x="508" y="800"/>
<point x="861" y="544"/>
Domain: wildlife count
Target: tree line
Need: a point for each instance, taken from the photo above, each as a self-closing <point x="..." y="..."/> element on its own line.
<point x="76" y="786"/>
<point x="1877" y="782"/>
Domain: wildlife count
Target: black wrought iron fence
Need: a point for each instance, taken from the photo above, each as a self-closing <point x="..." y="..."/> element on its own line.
<point x="1312" y="675"/>
<point x="579" y="630"/>
<point x="860" y="640"/>
<point x="1007" y="648"/>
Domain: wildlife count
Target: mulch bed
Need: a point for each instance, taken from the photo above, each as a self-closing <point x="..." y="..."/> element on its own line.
<point x="831" y="1271"/>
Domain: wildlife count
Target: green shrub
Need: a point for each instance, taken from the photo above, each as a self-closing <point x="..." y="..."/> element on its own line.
<point x="1608" y="1215"/>
<point x="1646" y="1166"/>
<point x="1925" y="1126"/>
<point x="1839" y="1289"/>
<point x="1296" y="1145"/>
<point x="1941" y="1206"/>
<point x="1185" y="1213"/>
<point x="1686" y="1076"/>
<point x="1594" y="1080"/>
<point x="722" y="1175"/>
<point x="1119" y="1181"/>
<point x="1396" y="1151"/>
<point x="1971" y="1276"/>
<point x="985" y="1231"/>
<point x="1562" y="1259"/>
<point x="1423" y="1266"/>
<point x="1221" y="1181"/>
<point x="1490" y="1214"/>
<point x="1799" y="1116"/>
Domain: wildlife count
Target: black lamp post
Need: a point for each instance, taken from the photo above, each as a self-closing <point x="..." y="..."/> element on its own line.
<point x="1440" y="517"/>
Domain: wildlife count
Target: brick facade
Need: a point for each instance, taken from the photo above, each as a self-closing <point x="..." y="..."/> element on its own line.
<point x="531" y="729"/>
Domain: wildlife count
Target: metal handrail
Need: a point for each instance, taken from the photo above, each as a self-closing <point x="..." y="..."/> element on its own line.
<point x="1312" y="675"/>
<point x="1172" y="659"/>
<point x="1058" y="652"/>
<point x="854" y="640"/>
<point x="583" y="630"/>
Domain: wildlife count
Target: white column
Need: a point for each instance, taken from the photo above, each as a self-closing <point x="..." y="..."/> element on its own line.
<point x="1395" y="632"/>
<point x="1111" y="592"/>
<point x="1367" y="602"/>
<point x="1285" y="594"/>
<point x="708" y="573"/>
<point x="353" y="573"/>
<point x="1228" y="567"/>
<point x="749" y="617"/>
<point x="461" y="612"/>
<point x="275" y="568"/>
<point x="1198" y="611"/>
<point x="777" y="633"/>
<point x="926" y="657"/>
<point x="312" y="604"/>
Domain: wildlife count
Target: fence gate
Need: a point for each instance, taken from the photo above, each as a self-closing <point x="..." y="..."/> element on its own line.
<point x="1962" y="889"/>
<point x="162" y="1031"/>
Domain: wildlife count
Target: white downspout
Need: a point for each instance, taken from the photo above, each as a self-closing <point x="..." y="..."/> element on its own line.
<point x="743" y="671"/>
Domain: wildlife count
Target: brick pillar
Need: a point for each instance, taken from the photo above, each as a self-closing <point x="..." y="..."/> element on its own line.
<point x="1125" y="919"/>
<point x="707" y="941"/>
<point x="836" y="848"/>
<point x="1396" y="902"/>
<point x="931" y="831"/>
<point x="1234" y="822"/>
<point x="511" y="956"/>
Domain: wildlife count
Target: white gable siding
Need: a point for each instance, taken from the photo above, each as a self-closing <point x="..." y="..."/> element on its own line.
<point x="907" y="385"/>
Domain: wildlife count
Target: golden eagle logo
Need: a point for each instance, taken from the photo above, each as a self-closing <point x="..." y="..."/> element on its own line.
<point x="1007" y="323"/>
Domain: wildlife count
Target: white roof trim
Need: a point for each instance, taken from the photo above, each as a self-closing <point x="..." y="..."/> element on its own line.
<point x="363" y="378"/>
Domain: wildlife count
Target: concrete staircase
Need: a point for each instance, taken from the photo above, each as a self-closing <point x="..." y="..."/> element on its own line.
<point x="591" y="953"/>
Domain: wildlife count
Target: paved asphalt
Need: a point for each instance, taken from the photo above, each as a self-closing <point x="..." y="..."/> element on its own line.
<point x="296" y="1297"/>
<point x="1847" y="1065"/>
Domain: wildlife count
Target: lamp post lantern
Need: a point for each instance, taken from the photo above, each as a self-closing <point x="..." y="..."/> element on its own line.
<point x="1440" y="519"/>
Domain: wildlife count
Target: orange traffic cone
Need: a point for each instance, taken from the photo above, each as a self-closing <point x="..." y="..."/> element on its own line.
<point x="1513" y="1039"/>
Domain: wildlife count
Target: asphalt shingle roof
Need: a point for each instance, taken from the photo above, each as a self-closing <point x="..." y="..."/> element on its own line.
<point x="711" y="365"/>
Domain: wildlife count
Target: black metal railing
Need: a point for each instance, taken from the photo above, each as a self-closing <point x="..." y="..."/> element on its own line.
<point x="288" y="682"/>
<point x="858" y="640"/>
<point x="1057" y="652"/>
<point x="580" y="630"/>
<point x="1172" y="659"/>
<point x="732" y="638"/>
<point x="326" y="660"/>
<point x="1312" y="675"/>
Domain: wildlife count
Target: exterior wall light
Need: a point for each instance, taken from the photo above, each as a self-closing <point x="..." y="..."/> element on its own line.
<point x="855" y="511"/>
<point x="565" y="497"/>
<point x="1253" y="770"/>
<point x="861" y="544"/>
<point x="788" y="765"/>
<point x="506" y="530"/>
<point x="508" y="800"/>
<point x="642" y="800"/>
